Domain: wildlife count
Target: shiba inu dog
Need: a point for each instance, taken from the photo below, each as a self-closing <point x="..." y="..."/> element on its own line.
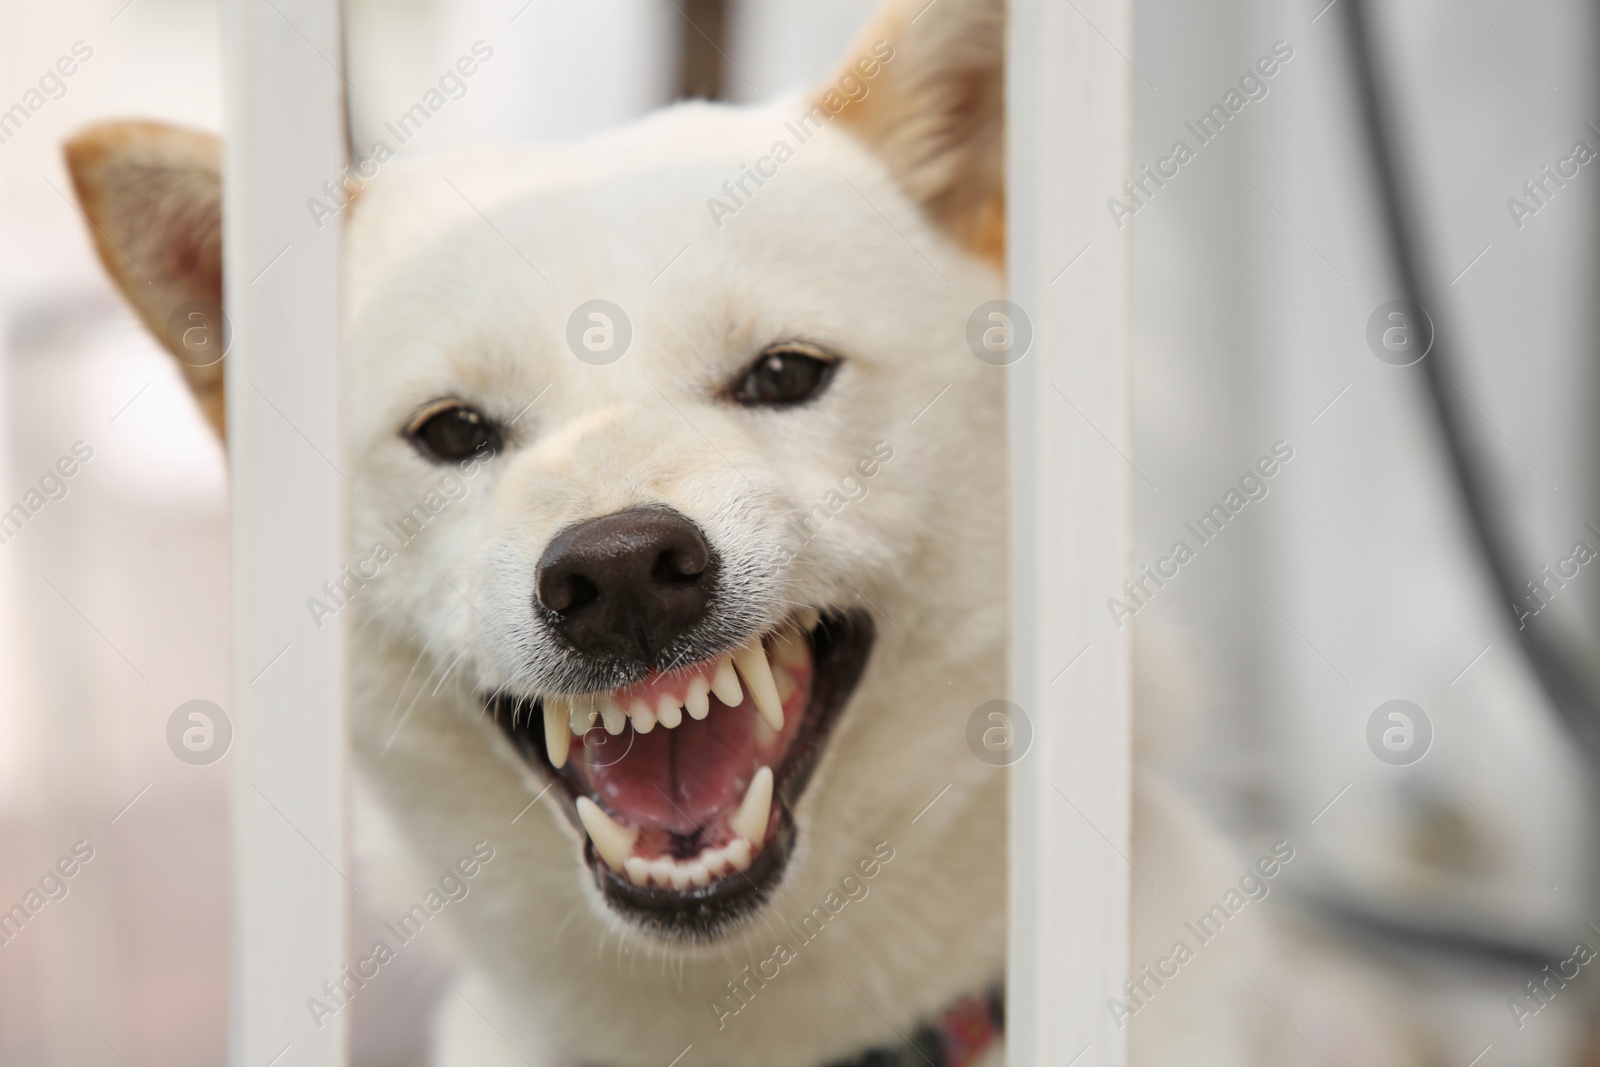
<point x="677" y="563"/>
<point x="723" y="597"/>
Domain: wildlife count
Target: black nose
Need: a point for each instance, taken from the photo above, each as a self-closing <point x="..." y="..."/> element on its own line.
<point x="624" y="585"/>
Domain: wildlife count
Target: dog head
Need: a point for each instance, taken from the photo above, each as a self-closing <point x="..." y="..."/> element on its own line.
<point x="670" y="451"/>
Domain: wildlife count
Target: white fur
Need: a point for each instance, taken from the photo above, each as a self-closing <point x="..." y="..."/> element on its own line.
<point x="829" y="251"/>
<point x="443" y="301"/>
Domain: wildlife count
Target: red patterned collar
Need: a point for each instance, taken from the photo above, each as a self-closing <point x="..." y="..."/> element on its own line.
<point x="959" y="1037"/>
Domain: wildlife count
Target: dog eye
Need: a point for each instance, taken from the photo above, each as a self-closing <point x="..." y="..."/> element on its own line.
<point x="451" y="430"/>
<point x="784" y="376"/>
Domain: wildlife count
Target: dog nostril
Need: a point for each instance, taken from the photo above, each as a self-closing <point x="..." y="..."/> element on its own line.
<point x="679" y="567"/>
<point x="628" y="584"/>
<point x="567" y="592"/>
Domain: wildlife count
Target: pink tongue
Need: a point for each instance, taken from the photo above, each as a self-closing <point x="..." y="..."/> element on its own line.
<point x="676" y="779"/>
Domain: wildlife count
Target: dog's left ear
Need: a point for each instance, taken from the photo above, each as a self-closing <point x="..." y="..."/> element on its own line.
<point x="925" y="89"/>
<point x="152" y="195"/>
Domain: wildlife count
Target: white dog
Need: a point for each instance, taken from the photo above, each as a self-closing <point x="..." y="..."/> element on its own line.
<point x="681" y="509"/>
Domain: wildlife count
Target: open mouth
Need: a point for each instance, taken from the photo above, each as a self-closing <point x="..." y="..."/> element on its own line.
<point x="685" y="782"/>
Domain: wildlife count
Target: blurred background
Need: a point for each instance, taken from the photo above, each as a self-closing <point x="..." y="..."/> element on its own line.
<point x="1445" y="871"/>
<point x="1456" y="862"/>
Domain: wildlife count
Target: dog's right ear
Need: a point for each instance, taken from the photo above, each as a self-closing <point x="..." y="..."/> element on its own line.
<point x="153" y="196"/>
<point x="925" y="90"/>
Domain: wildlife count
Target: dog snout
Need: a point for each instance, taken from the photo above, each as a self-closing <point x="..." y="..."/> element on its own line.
<point x="623" y="586"/>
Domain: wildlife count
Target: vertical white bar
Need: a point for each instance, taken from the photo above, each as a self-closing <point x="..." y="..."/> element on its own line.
<point x="284" y="138"/>
<point x="1068" y="140"/>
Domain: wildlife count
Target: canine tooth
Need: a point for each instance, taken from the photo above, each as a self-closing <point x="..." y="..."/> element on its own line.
<point x="582" y="714"/>
<point x="613" y="716"/>
<point x="750" y="821"/>
<point x="611" y="839"/>
<point x="638" y="869"/>
<point x="661" y="870"/>
<point x="725" y="683"/>
<point x="668" y="711"/>
<point x="713" y="861"/>
<point x="751" y="661"/>
<point x="784" y="681"/>
<point x="808" y="619"/>
<point x="696" y="701"/>
<point x="738" y="853"/>
<point x="557" y="738"/>
<point x="644" y="720"/>
<point x="698" y="875"/>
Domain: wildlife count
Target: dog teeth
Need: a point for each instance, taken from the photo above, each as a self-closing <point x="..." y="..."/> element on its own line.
<point x="697" y="701"/>
<point x="751" y="661"/>
<point x="644" y="720"/>
<point x="614" y="842"/>
<point x="557" y="738"/>
<point x="669" y="711"/>
<point x="725" y="683"/>
<point x="666" y="872"/>
<point x="769" y="681"/>
<point x="611" y="839"/>
<point x="750" y="821"/>
<point x="808" y="619"/>
<point x="582" y="714"/>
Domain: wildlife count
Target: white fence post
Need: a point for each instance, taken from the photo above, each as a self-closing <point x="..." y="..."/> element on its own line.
<point x="284" y="138"/>
<point x="1069" y="130"/>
